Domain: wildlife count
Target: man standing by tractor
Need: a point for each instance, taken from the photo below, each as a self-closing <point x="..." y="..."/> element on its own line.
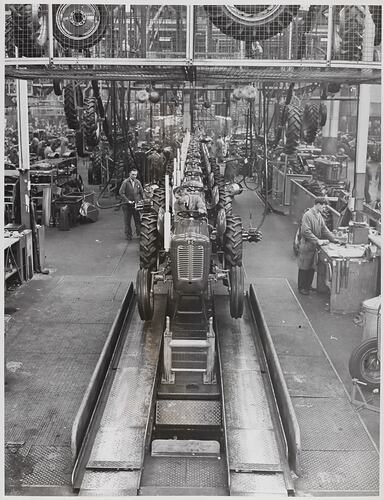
<point x="313" y="233"/>
<point x="131" y="191"/>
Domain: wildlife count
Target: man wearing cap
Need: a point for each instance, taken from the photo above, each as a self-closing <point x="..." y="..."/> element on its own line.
<point x="314" y="233"/>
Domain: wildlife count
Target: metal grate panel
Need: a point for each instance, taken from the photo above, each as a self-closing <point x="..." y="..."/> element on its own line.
<point x="330" y="424"/>
<point x="185" y="412"/>
<point x="245" y="483"/>
<point x="120" y="483"/>
<point x="335" y="471"/>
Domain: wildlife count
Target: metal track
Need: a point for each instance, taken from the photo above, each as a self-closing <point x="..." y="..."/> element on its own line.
<point x="228" y="434"/>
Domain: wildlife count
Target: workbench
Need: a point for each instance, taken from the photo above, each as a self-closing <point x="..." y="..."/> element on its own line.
<point x="18" y="255"/>
<point x="349" y="276"/>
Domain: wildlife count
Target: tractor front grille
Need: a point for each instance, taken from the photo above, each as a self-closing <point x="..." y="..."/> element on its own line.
<point x="190" y="261"/>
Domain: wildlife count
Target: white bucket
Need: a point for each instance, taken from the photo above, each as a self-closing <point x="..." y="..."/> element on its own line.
<point x="371" y="317"/>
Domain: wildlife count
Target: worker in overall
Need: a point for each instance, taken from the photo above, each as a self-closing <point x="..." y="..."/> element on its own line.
<point x="131" y="191"/>
<point x="188" y="201"/>
<point x="313" y="233"/>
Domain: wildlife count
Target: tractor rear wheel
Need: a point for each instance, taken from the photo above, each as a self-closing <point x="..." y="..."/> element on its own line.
<point x="91" y="124"/>
<point x="311" y="122"/>
<point x="79" y="26"/>
<point x="158" y="199"/>
<point x="70" y="107"/>
<point x="352" y="19"/>
<point x="148" y="240"/>
<point x="293" y="129"/>
<point x="236" y="294"/>
<point x="233" y="242"/>
<point x="145" y="299"/>
<point x="251" y="22"/>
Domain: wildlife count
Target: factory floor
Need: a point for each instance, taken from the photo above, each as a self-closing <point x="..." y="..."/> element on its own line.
<point x="60" y="320"/>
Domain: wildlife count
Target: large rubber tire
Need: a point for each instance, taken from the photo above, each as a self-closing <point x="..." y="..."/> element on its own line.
<point x="364" y="363"/>
<point x="58" y="86"/>
<point x="352" y="19"/>
<point x="233" y="242"/>
<point x="79" y="141"/>
<point x="323" y="114"/>
<point x="236" y="295"/>
<point x="149" y="242"/>
<point x="91" y="122"/>
<point x="225" y="200"/>
<point x="251" y="22"/>
<point x="377" y="19"/>
<point x="293" y="128"/>
<point x="97" y="165"/>
<point x="311" y="122"/>
<point x="9" y="37"/>
<point x="79" y="26"/>
<point x="27" y="29"/>
<point x="145" y="298"/>
<point x="95" y="88"/>
<point x="70" y="107"/>
<point x="158" y="199"/>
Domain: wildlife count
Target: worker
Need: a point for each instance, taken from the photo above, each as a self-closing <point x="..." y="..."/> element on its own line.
<point x="313" y="233"/>
<point x="47" y="150"/>
<point x="131" y="191"/>
<point x="34" y="144"/>
<point x="187" y="200"/>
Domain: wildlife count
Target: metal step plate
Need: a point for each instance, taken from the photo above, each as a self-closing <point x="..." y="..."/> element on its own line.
<point x="188" y="412"/>
<point x="185" y="448"/>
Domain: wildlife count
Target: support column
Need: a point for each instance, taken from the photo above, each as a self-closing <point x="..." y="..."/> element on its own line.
<point x="187" y="116"/>
<point x="23" y="133"/>
<point x="331" y="128"/>
<point x="361" y="144"/>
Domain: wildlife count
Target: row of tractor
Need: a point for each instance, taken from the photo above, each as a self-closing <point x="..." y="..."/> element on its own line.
<point x="190" y="236"/>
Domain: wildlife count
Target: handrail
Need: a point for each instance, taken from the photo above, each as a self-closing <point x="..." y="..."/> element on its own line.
<point x="286" y="409"/>
<point x="88" y="404"/>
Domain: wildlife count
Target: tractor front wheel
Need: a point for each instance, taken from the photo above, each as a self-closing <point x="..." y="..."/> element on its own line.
<point x="145" y="299"/>
<point x="236" y="294"/>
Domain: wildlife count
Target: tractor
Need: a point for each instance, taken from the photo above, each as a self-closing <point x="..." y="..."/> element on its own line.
<point x="192" y="248"/>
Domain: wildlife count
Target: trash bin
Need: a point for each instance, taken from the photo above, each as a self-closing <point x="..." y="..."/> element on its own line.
<point x="372" y="317"/>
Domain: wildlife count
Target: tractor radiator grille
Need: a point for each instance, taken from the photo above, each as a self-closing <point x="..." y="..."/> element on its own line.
<point x="190" y="260"/>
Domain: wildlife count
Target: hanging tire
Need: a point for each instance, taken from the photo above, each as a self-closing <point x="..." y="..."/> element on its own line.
<point x="27" y="29"/>
<point x="79" y="141"/>
<point x="79" y="26"/>
<point x="323" y="114"/>
<point x="233" y="242"/>
<point x="9" y="37"/>
<point x="148" y="240"/>
<point x="97" y="166"/>
<point x="377" y="19"/>
<point x="251" y="22"/>
<point x="79" y="96"/>
<point x="58" y="86"/>
<point x="293" y="129"/>
<point x="311" y="122"/>
<point x="145" y="298"/>
<point x="70" y="107"/>
<point x="95" y="88"/>
<point x="236" y="294"/>
<point x="364" y="363"/>
<point x="91" y="123"/>
<point x="352" y="19"/>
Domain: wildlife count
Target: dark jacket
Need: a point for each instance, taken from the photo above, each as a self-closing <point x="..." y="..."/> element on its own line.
<point x="131" y="192"/>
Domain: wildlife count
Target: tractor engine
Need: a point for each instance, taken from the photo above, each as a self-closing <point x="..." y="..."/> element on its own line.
<point x="190" y="255"/>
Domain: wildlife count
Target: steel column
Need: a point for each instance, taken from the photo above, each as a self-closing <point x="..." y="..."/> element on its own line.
<point x="23" y="133"/>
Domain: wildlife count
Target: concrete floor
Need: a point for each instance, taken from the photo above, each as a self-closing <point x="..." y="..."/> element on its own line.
<point x="96" y="256"/>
